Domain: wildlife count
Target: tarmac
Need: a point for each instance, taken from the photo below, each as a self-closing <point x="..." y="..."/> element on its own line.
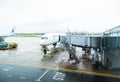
<point x="29" y="53"/>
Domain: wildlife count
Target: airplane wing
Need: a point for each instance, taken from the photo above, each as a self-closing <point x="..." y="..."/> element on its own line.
<point x="9" y="34"/>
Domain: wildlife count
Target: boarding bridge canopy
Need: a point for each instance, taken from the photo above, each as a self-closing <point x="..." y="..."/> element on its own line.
<point x="113" y="32"/>
<point x="82" y="41"/>
<point x="109" y="40"/>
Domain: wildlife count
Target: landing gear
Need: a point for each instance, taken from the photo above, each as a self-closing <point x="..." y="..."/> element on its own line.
<point x="54" y="45"/>
<point x="44" y="50"/>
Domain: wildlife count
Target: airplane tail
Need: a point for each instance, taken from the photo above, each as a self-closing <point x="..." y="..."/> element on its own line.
<point x="12" y="32"/>
<point x="13" y="29"/>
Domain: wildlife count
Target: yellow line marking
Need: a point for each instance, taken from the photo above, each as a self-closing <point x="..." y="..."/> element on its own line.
<point x="67" y="70"/>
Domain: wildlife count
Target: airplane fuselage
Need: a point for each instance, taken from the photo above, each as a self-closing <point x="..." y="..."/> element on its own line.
<point x="49" y="39"/>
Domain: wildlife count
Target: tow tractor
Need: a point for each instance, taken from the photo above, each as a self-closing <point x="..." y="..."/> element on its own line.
<point x="4" y="45"/>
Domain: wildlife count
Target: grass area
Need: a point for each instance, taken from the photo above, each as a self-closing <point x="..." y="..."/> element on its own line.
<point x="28" y="35"/>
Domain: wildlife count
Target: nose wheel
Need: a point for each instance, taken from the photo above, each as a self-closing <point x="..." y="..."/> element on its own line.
<point x="44" y="50"/>
<point x="54" y="45"/>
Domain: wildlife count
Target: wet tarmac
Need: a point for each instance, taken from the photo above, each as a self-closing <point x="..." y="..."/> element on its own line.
<point x="27" y="63"/>
<point x="29" y="51"/>
<point x="18" y="73"/>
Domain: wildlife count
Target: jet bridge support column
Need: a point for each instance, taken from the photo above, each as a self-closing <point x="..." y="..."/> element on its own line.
<point x="94" y="57"/>
<point x="71" y="53"/>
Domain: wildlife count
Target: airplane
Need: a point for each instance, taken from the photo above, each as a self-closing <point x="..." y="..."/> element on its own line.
<point x="50" y="39"/>
<point x="2" y="35"/>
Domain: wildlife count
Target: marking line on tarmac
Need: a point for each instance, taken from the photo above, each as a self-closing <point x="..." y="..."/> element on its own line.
<point x="22" y="77"/>
<point x="39" y="79"/>
<point x="67" y="70"/>
<point x="59" y="76"/>
<point x="9" y="75"/>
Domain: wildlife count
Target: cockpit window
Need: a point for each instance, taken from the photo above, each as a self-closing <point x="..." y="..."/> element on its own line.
<point x="44" y="37"/>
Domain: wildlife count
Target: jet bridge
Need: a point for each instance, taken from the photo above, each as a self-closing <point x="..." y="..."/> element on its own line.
<point x="112" y="46"/>
<point x="82" y="41"/>
<point x="108" y="45"/>
<point x="87" y="43"/>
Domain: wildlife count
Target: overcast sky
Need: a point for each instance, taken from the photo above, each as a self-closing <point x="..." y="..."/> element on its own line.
<point x="59" y="15"/>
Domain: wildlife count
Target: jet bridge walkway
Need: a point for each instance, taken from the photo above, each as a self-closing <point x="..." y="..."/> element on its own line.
<point x="107" y="46"/>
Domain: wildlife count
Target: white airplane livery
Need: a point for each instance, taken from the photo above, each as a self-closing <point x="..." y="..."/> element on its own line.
<point x="11" y="33"/>
<point x="50" y="38"/>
